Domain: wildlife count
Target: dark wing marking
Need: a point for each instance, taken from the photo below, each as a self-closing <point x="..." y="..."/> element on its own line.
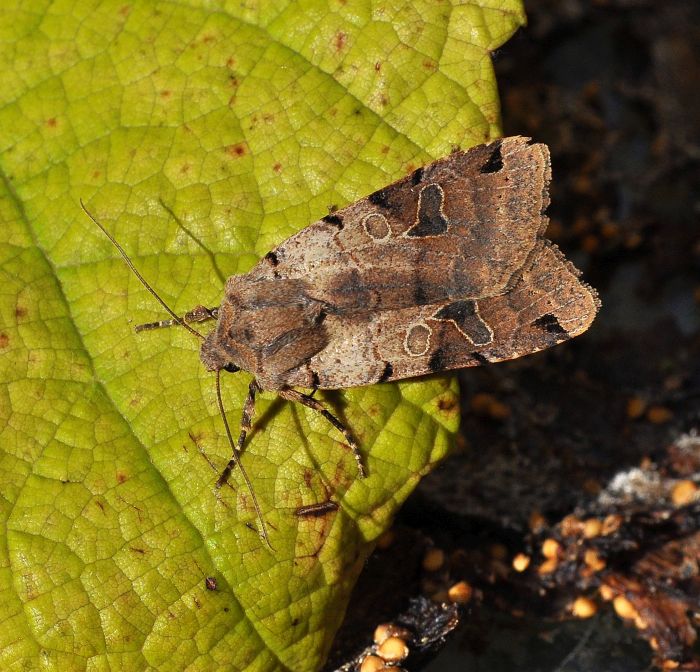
<point x="430" y="218"/>
<point x="465" y="316"/>
<point x="495" y="161"/>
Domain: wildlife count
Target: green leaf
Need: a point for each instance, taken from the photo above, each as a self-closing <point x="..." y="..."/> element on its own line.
<point x="201" y="134"/>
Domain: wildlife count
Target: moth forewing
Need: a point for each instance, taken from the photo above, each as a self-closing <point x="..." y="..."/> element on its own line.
<point x="443" y="269"/>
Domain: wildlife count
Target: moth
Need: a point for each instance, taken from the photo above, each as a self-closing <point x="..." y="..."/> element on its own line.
<point x="444" y="269"/>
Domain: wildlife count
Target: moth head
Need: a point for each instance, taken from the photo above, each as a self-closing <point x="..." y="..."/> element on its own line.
<point x="225" y="348"/>
<point x="214" y="356"/>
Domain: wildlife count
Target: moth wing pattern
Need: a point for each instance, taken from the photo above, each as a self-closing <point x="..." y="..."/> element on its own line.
<point x="446" y="268"/>
<point x="547" y="305"/>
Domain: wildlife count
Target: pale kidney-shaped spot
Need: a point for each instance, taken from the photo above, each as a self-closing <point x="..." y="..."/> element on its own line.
<point x="376" y="226"/>
<point x="417" y="339"/>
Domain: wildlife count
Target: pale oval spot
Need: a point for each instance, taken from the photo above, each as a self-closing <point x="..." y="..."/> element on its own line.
<point x="376" y="226"/>
<point x="417" y="341"/>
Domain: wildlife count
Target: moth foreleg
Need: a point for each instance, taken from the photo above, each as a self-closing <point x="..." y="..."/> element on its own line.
<point x="197" y="314"/>
<point x="246" y="424"/>
<point x="306" y="400"/>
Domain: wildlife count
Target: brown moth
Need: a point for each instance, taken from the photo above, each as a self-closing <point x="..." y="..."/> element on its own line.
<point x="444" y="269"/>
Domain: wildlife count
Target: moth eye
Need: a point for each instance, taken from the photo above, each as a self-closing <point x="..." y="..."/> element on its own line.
<point x="376" y="227"/>
<point x="417" y="341"/>
<point x="231" y="368"/>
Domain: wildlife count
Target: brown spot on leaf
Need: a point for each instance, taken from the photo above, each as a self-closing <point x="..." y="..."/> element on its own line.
<point x="166" y="93"/>
<point x="230" y="62"/>
<point x="138" y="550"/>
<point x="308" y="477"/>
<point x="374" y="411"/>
<point x="340" y="41"/>
<point x="51" y="123"/>
<point x="20" y="312"/>
<point x="4" y="340"/>
<point x="236" y="150"/>
<point x="447" y="404"/>
<point x="377" y="66"/>
<point x="277" y="167"/>
<point x="125" y="10"/>
<point x="122" y="477"/>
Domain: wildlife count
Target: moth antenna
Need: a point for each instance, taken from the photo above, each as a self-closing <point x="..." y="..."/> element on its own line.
<point x="142" y="280"/>
<point x="236" y="459"/>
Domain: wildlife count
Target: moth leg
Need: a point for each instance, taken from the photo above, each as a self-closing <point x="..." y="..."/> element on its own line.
<point x="197" y="314"/>
<point x="206" y="457"/>
<point x="246" y="424"/>
<point x="306" y="400"/>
